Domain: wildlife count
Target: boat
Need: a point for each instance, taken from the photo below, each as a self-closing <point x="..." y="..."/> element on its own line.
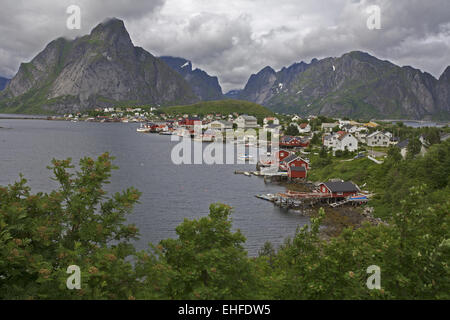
<point x="143" y="129"/>
<point x="246" y="157"/>
<point x="267" y="197"/>
<point x="166" y="133"/>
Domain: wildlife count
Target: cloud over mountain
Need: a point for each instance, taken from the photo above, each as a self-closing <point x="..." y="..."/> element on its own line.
<point x="235" y="38"/>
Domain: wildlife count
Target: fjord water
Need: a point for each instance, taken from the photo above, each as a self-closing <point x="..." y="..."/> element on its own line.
<point x="170" y="192"/>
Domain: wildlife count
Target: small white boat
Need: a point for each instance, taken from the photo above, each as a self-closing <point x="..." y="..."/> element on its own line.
<point x="246" y="157"/>
<point x="143" y="129"/>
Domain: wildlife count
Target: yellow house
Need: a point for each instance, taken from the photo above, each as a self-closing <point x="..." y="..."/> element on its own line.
<point x="371" y="124"/>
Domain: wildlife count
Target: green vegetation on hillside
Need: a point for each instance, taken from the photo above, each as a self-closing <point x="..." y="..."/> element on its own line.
<point x="392" y="180"/>
<point x="223" y="107"/>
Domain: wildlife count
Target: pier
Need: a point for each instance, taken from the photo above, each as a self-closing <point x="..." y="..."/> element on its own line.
<point x="293" y="199"/>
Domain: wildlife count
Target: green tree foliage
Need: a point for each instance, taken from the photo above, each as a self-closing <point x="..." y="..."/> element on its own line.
<point x="206" y="261"/>
<point x="413" y="148"/>
<point x="432" y="135"/>
<point x="42" y="234"/>
<point x="291" y="130"/>
<point x="316" y="139"/>
<point x="323" y="160"/>
<point x="412" y="252"/>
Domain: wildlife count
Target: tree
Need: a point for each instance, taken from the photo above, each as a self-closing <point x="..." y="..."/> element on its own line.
<point x="315" y="140"/>
<point x="292" y="131"/>
<point x="77" y="224"/>
<point x="414" y="147"/>
<point x="432" y="135"/>
<point x="206" y="261"/>
<point x="412" y="253"/>
<point x="394" y="154"/>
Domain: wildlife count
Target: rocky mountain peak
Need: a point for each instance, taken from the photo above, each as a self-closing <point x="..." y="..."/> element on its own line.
<point x="355" y="84"/>
<point x="112" y="31"/>
<point x="445" y="76"/>
<point x="103" y="68"/>
<point x="206" y="87"/>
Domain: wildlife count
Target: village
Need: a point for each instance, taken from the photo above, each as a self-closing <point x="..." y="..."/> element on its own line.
<point x="289" y="160"/>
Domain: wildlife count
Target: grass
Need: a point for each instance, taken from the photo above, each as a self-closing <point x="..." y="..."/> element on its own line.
<point x="223" y="107"/>
<point x="359" y="171"/>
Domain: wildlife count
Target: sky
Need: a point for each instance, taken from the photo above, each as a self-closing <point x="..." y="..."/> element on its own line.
<point x="233" y="39"/>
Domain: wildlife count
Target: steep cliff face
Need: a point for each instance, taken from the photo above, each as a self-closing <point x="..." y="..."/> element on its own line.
<point x="206" y="87"/>
<point x="103" y="68"/>
<point x="355" y="84"/>
<point x="260" y="86"/>
<point x="443" y="91"/>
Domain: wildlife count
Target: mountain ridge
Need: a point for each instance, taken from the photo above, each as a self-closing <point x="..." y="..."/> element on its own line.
<point x="102" y="68"/>
<point x="206" y="87"/>
<point x="355" y="85"/>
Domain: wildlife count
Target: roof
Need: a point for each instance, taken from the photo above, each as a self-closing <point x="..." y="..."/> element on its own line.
<point x="375" y="133"/>
<point x="303" y="125"/>
<point x="403" y="144"/>
<point x="370" y="124"/>
<point x="273" y="126"/>
<point x="345" y="134"/>
<point x="247" y="117"/>
<point x="445" y="136"/>
<point x="226" y="123"/>
<point x="290" y="158"/>
<point x="341" y="186"/>
<point x="329" y="125"/>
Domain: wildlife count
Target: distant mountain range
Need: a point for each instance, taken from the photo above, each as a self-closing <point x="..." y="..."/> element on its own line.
<point x="3" y="83"/>
<point x="205" y="86"/>
<point x="104" y="68"/>
<point x="233" y="94"/>
<point x="354" y="85"/>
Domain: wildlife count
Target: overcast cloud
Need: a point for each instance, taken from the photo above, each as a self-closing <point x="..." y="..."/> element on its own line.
<point x="235" y="38"/>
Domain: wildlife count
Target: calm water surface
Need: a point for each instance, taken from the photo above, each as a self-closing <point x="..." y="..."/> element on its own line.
<point x="170" y="192"/>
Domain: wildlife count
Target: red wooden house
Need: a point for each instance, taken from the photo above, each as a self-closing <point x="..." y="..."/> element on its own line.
<point x="297" y="172"/>
<point x="339" y="189"/>
<point x="292" y="142"/>
<point x="293" y="161"/>
<point x="190" y="121"/>
<point x="281" y="154"/>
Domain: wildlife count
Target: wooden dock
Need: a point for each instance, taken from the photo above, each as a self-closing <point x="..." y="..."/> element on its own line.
<point x="294" y="199"/>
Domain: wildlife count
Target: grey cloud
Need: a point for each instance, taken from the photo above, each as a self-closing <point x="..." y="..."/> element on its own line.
<point x="235" y="38"/>
<point x="27" y="26"/>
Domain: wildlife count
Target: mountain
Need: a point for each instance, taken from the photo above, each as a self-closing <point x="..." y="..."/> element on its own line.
<point x="356" y="85"/>
<point x="233" y="94"/>
<point x="3" y="83"/>
<point x="205" y="86"/>
<point x="103" y="68"/>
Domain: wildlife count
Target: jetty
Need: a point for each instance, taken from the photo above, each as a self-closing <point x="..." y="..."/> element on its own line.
<point x="332" y="193"/>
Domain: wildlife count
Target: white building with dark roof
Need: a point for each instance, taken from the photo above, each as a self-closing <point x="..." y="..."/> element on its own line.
<point x="378" y="139"/>
<point x="246" y="122"/>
